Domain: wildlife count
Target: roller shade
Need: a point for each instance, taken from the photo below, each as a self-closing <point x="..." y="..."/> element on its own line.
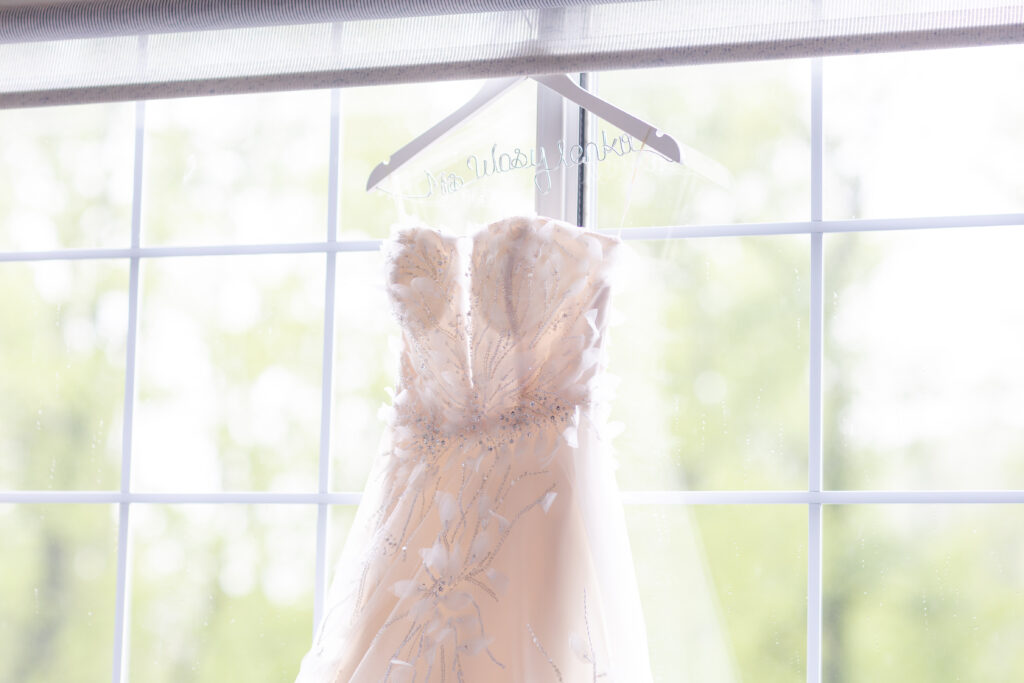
<point x="109" y="50"/>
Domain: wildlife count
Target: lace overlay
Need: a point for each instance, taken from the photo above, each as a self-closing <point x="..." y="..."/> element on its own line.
<point x="490" y="544"/>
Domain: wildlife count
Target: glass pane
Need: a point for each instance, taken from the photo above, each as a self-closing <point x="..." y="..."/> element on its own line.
<point x="340" y="523"/>
<point x="453" y="184"/>
<point x="751" y="118"/>
<point x="63" y="326"/>
<point x="712" y="357"/>
<point x="221" y="592"/>
<point x="724" y="590"/>
<point x="923" y="593"/>
<point x="367" y="342"/>
<point x="924" y="133"/>
<point x="229" y="366"/>
<point x="57" y="592"/>
<point x="66" y="176"/>
<point x="924" y="379"/>
<point x="249" y="168"/>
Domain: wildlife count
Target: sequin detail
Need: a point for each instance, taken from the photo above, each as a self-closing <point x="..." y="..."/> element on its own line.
<point x="500" y="369"/>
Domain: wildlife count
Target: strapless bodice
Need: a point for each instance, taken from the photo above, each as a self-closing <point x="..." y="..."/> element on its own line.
<point x="501" y="327"/>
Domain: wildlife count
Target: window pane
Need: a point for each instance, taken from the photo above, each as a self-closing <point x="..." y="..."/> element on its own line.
<point x="924" y="380"/>
<point x="923" y="593"/>
<point x="249" y="168"/>
<point x="221" y="592"/>
<point x="452" y="184"/>
<point x="229" y="368"/>
<point x="57" y="590"/>
<point x="62" y="340"/>
<point x="752" y="118"/>
<point x="712" y="357"/>
<point x="924" y="133"/>
<point x="723" y="590"/>
<point x="367" y="342"/>
<point x="341" y="519"/>
<point x="66" y="176"/>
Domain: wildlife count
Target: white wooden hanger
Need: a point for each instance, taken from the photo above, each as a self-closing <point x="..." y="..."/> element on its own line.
<point x="647" y="134"/>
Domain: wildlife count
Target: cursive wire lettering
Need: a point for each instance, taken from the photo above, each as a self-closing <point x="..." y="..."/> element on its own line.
<point x="538" y="160"/>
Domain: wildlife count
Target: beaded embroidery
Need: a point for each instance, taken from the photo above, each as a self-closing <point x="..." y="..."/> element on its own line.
<point x="501" y="359"/>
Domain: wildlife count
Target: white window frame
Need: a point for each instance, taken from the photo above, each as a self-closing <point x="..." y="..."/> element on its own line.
<point x="549" y="111"/>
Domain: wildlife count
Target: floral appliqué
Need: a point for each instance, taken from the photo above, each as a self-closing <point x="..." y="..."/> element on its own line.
<point x="501" y="360"/>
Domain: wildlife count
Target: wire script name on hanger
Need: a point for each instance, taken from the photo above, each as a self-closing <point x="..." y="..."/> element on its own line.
<point x="449" y="182"/>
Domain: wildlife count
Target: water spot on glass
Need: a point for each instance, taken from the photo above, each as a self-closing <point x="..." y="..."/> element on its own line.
<point x="190" y="168"/>
<point x="710" y="387"/>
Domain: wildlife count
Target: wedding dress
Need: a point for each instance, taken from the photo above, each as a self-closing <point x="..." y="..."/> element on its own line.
<point x="490" y="544"/>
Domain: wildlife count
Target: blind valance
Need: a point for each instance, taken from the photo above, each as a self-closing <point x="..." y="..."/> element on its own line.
<point x="107" y="50"/>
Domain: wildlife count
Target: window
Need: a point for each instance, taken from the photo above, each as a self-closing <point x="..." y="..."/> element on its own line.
<point x="823" y="456"/>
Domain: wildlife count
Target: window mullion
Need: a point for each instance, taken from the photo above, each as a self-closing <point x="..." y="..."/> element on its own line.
<point x="814" y="455"/>
<point x="327" y="383"/>
<point x="120" y="656"/>
<point x="549" y="200"/>
<point x="656" y="232"/>
<point x="628" y="497"/>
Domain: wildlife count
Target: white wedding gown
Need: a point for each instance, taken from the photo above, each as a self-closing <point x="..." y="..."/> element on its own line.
<point x="490" y="544"/>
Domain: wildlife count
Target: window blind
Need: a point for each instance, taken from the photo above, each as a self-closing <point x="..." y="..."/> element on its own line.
<point x="108" y="50"/>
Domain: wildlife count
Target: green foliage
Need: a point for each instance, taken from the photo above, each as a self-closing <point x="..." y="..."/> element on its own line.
<point x="712" y="356"/>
